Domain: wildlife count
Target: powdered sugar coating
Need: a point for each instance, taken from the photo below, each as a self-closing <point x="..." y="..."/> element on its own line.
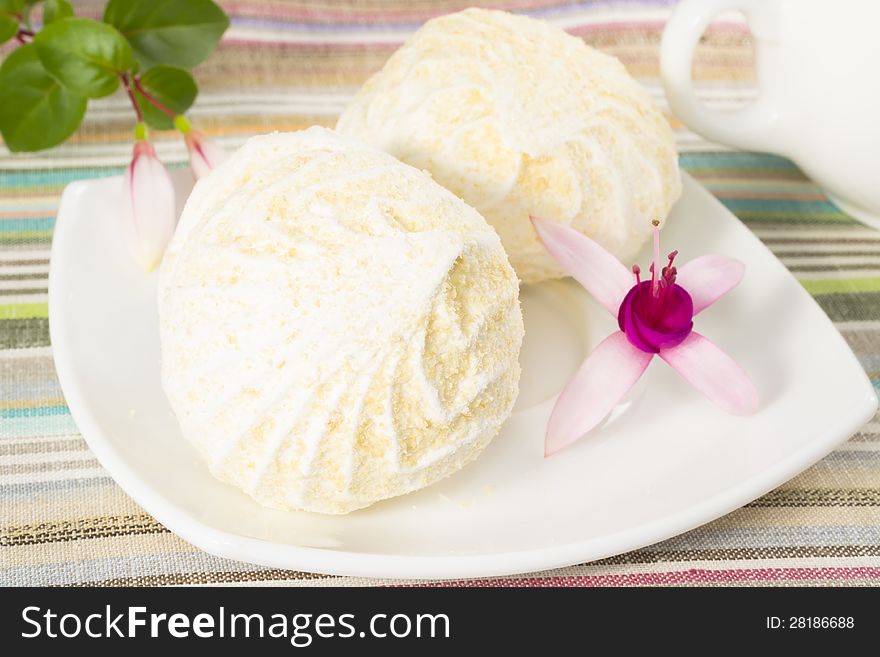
<point x="518" y="117"/>
<point x="336" y="327"/>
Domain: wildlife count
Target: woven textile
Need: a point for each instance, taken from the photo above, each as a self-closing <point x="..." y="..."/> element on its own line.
<point x="287" y="65"/>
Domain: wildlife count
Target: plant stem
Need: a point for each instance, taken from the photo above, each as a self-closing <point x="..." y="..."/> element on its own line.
<point x="22" y="33"/>
<point x="152" y="100"/>
<point x="126" y="82"/>
<point x="26" y="16"/>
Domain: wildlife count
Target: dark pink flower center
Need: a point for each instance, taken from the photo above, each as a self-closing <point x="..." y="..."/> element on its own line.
<point x="656" y="314"/>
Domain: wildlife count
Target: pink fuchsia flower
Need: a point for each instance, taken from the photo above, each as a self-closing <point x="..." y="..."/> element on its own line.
<point x="655" y="318"/>
<point x="148" y="209"/>
<point x="204" y="154"/>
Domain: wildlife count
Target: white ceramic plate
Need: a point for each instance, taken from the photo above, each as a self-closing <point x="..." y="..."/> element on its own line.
<point x="671" y="462"/>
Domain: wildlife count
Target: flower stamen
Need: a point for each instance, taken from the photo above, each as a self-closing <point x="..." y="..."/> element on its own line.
<point x="655" y="265"/>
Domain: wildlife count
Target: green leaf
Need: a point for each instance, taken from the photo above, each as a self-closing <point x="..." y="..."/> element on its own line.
<point x="175" y="32"/>
<point x="10" y="12"/>
<point x="8" y="27"/>
<point x="55" y="10"/>
<point x="173" y="87"/>
<point x="85" y="56"/>
<point x="36" y="111"/>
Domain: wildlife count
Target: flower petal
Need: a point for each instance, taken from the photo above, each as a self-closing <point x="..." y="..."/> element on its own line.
<point x="595" y="268"/>
<point x="708" y="278"/>
<point x="204" y="154"/>
<point x="650" y="328"/>
<point x="602" y="380"/>
<point x="148" y="211"/>
<point x="714" y="373"/>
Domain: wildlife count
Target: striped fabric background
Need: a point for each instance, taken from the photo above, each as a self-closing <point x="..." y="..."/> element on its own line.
<point x="287" y="65"/>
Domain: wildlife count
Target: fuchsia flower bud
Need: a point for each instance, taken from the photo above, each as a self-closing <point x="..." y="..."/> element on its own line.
<point x="204" y="154"/>
<point x="149" y="215"/>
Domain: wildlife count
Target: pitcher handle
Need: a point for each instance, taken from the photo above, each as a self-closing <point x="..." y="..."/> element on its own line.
<point x="753" y="127"/>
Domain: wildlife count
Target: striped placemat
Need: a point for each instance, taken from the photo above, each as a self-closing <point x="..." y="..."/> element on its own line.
<point x="287" y="65"/>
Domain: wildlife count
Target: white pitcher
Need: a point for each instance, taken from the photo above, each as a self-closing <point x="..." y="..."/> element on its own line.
<point x="818" y="69"/>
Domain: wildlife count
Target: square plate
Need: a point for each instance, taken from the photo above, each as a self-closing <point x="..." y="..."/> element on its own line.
<point x="671" y="462"/>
